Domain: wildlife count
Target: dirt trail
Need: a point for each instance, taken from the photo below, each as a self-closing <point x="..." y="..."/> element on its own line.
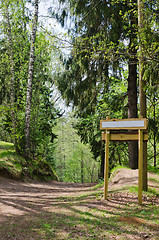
<point x="14" y="194"/>
<point x="23" y="204"/>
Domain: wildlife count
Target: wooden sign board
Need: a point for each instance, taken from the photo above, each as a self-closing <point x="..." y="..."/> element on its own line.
<point x="125" y="136"/>
<point x="118" y="124"/>
<point x="139" y="124"/>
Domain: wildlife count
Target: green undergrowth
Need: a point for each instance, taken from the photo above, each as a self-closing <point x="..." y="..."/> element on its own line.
<point x="10" y="162"/>
<point x="153" y="169"/>
<point x="6" y="146"/>
<point x="116" y="169"/>
<point x="98" y="185"/>
<point x="15" y="166"/>
<point x="154" y="180"/>
<point x="150" y="192"/>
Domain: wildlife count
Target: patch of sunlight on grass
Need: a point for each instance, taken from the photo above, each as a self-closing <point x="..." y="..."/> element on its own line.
<point x="154" y="180"/>
<point x="6" y="145"/>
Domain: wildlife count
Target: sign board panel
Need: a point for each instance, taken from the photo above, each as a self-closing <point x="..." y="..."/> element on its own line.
<point x="131" y="123"/>
<point x="132" y="136"/>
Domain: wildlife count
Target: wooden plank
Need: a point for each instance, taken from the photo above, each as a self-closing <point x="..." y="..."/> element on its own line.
<point x="140" y="167"/>
<point x="106" y="169"/>
<point x="124" y="136"/>
<point x="131" y="123"/>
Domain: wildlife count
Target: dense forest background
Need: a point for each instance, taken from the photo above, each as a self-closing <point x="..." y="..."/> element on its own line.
<point x="55" y="88"/>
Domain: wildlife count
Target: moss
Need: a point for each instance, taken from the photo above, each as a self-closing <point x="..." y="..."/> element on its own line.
<point x="15" y="166"/>
<point x="41" y="170"/>
<point x="10" y="169"/>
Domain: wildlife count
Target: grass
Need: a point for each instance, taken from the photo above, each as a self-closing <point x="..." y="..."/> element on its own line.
<point x="154" y="180"/>
<point x="16" y="166"/>
<point x="98" y="185"/>
<point x="153" y="169"/>
<point x="6" y="146"/>
<point x="150" y="192"/>
<point x="115" y="169"/>
<point x="10" y="162"/>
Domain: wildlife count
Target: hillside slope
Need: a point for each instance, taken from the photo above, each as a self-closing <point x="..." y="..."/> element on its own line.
<point x="125" y="177"/>
<point x="15" y="166"/>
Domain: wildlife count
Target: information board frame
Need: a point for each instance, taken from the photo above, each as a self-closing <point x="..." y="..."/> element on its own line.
<point x="141" y="124"/>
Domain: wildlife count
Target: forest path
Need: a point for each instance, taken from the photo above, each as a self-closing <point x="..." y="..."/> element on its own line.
<point x="28" y="205"/>
<point x="15" y="195"/>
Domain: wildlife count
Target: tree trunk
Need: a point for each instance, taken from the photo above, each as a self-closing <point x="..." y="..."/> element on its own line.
<point x="132" y="113"/>
<point x="132" y="90"/>
<point x="154" y="136"/>
<point x="101" y="174"/>
<point x="12" y="93"/>
<point x="29" y="84"/>
<point x="142" y="84"/>
<point x="82" y="168"/>
<point x="102" y="145"/>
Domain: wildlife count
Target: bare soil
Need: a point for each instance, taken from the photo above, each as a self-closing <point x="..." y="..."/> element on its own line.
<point x="27" y="207"/>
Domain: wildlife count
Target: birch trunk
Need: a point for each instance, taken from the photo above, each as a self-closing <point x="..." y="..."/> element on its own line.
<point x="12" y="93"/>
<point x="29" y="83"/>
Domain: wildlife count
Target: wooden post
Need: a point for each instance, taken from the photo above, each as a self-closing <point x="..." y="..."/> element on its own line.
<point x="140" y="168"/>
<point x="106" y="169"/>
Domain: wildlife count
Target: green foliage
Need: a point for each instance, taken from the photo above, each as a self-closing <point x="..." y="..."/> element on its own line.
<point x="73" y="160"/>
<point x="40" y="169"/>
<point x="95" y="76"/>
<point x="15" y="166"/>
<point x="150" y="192"/>
<point x="6" y="146"/>
<point x="10" y="168"/>
<point x="93" y="79"/>
<point x="10" y="162"/>
<point x="44" y="113"/>
<point x="153" y="169"/>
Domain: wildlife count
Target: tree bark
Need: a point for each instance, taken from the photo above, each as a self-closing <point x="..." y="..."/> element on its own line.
<point x="82" y="168"/>
<point x="12" y="93"/>
<point x="132" y="113"/>
<point x="132" y="90"/>
<point x="154" y="136"/>
<point x="142" y="84"/>
<point x="101" y="174"/>
<point x="29" y="83"/>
